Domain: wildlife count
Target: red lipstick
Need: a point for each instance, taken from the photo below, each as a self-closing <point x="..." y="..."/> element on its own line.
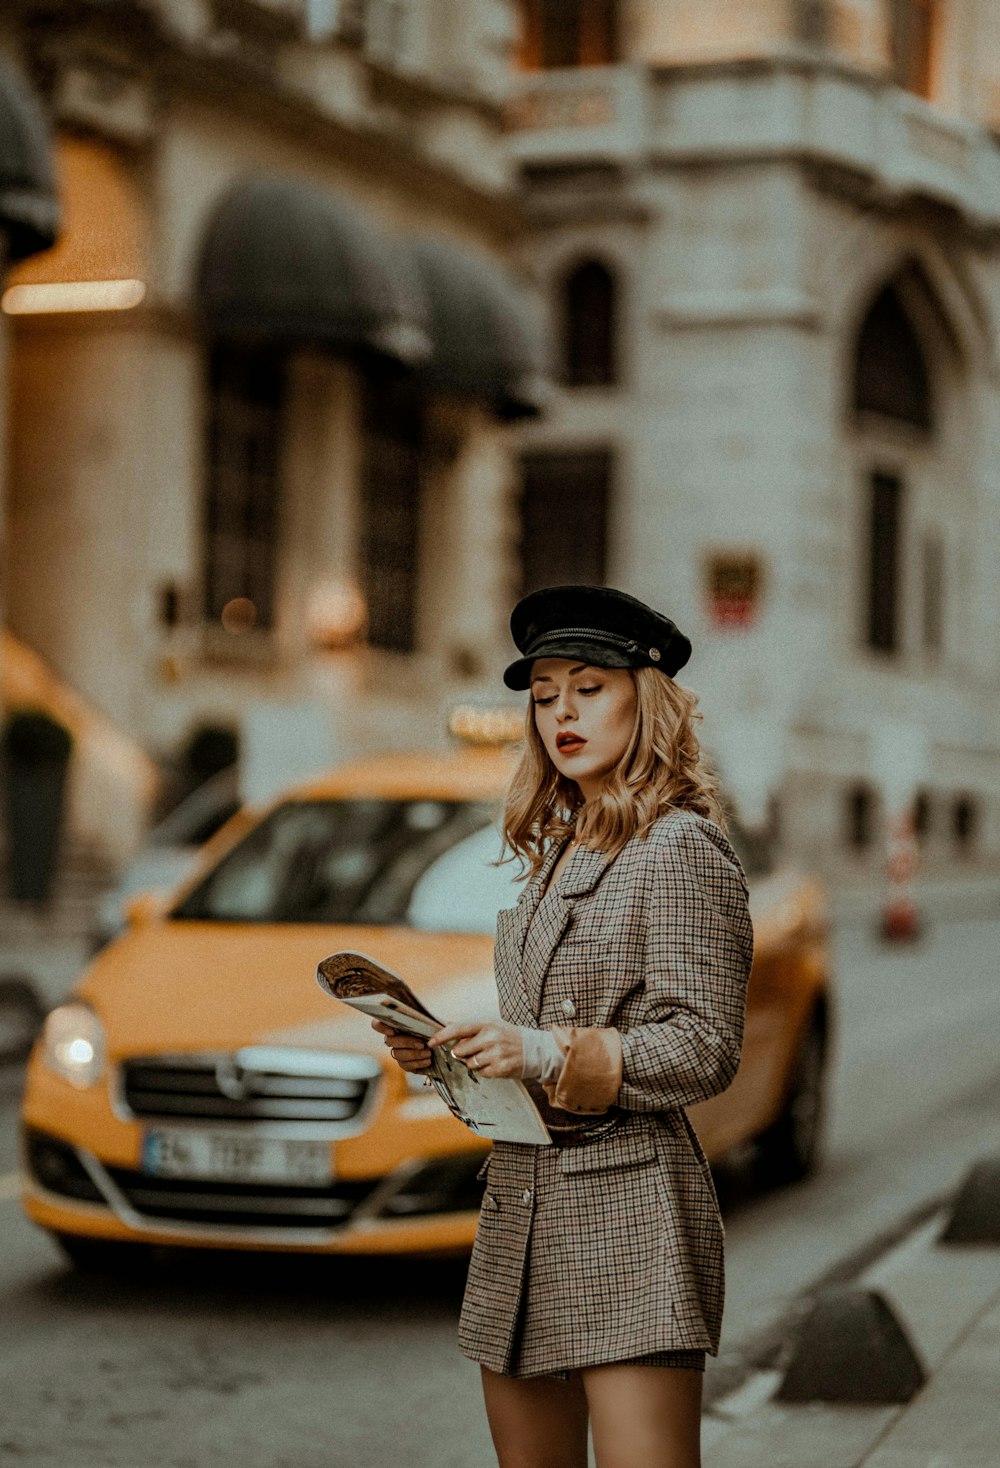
<point x="569" y="741"/>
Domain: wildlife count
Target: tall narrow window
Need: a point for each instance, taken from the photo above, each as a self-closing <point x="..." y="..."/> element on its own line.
<point x="860" y="817"/>
<point x="914" y="27"/>
<point x="589" y="326"/>
<point x="564" y="518"/>
<point x="568" y="33"/>
<point x="933" y="592"/>
<point x="390" y="511"/>
<point x="964" y="823"/>
<point x="922" y="808"/>
<point x="246" y="392"/>
<point x="884" y="517"/>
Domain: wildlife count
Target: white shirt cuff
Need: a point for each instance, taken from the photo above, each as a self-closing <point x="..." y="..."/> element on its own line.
<point x="543" y="1060"/>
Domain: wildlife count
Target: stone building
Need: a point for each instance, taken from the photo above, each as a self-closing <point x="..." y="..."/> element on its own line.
<point x="259" y="394"/>
<point x="768" y="236"/>
<point x="274" y="456"/>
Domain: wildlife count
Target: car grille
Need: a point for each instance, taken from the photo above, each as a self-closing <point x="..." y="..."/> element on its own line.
<point x="256" y="1084"/>
<point x="253" y="1205"/>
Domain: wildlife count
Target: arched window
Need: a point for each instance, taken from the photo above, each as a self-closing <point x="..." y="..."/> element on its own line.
<point x="891" y="376"/>
<point x="589" y="326"/>
<point x="568" y="33"/>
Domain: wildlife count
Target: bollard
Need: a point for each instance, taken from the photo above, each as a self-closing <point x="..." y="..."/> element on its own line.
<point x="901" y="916"/>
<point x="851" y="1348"/>
<point x="975" y="1213"/>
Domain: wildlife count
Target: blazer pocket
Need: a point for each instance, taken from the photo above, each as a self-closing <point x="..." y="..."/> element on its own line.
<point x="584" y="931"/>
<point x="625" y="1147"/>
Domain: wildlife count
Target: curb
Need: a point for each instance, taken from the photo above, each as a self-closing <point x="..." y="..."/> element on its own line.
<point x="932" y="1293"/>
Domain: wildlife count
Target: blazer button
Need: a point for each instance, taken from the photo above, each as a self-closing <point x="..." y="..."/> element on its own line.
<point x="569" y="1008"/>
<point x="526" y="1196"/>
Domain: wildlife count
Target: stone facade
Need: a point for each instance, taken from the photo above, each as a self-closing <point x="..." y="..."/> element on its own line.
<point x="393" y="108"/>
<point x="753" y="178"/>
<point x="759" y="184"/>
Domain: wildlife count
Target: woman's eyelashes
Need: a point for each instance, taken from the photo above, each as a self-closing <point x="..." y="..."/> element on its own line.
<point x="543" y="703"/>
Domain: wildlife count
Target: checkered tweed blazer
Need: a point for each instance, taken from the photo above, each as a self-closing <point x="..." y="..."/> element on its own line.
<point x="614" y="1249"/>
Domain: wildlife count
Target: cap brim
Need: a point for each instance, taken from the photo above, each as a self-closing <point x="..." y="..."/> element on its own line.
<point x="596" y="655"/>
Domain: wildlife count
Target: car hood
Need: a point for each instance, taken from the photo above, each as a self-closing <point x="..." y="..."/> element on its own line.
<point x="205" y="986"/>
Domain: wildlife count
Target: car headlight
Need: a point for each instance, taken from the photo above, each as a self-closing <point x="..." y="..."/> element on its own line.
<point x="73" y="1044"/>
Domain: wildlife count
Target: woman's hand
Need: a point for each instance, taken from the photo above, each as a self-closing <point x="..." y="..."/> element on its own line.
<point x="490" y="1048"/>
<point x="408" y="1051"/>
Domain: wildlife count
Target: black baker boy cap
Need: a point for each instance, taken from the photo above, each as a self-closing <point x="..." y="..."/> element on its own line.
<point x="601" y="626"/>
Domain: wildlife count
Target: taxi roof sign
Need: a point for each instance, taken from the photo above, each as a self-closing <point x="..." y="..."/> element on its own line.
<point x="490" y="726"/>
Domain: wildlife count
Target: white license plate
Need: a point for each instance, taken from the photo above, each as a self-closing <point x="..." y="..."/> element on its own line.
<point x="222" y="1157"/>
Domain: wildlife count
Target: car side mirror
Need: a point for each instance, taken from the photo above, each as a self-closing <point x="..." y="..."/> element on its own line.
<point x="143" y="908"/>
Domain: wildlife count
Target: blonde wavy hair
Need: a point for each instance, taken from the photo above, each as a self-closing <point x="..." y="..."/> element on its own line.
<point x="661" y="769"/>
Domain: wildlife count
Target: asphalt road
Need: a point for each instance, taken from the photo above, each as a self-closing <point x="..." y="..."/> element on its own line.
<point x="249" y="1363"/>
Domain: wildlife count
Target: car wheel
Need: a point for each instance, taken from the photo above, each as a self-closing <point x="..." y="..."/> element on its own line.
<point x="789" y="1149"/>
<point x="104" y="1256"/>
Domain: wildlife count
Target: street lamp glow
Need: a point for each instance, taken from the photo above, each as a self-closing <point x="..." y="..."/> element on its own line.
<point x="72" y="295"/>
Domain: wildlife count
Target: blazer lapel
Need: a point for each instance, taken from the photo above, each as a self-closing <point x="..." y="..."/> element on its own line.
<point x="546" y="926"/>
<point x="512" y="929"/>
<point x="582" y="874"/>
<point x="529" y="899"/>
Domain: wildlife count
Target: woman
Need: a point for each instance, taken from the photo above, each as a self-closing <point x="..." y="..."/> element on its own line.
<point x="596" y="1283"/>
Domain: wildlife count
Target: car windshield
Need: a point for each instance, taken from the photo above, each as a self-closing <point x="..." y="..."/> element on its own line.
<point x="427" y="864"/>
<point x="418" y="863"/>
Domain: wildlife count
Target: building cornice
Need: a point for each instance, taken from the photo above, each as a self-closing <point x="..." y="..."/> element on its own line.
<point x="855" y="132"/>
<point x="171" y="68"/>
<point x="367" y="148"/>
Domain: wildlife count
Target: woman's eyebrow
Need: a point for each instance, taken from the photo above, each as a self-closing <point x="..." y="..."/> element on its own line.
<point x="545" y="677"/>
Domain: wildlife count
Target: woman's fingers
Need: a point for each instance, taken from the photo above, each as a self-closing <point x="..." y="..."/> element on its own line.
<point x="408" y="1051"/>
<point x="416" y="1064"/>
<point x="448" y="1033"/>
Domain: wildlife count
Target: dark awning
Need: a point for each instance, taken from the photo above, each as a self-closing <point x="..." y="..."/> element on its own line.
<point x="29" y="213"/>
<point x="284" y="261"/>
<point x="487" y="342"/>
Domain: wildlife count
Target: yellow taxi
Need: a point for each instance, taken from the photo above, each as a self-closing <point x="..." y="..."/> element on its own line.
<point x="199" y="1089"/>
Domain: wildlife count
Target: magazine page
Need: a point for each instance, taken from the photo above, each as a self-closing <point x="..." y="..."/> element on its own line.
<point x="501" y="1110"/>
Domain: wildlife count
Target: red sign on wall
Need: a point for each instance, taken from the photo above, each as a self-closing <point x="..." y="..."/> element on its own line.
<point x="734" y="583"/>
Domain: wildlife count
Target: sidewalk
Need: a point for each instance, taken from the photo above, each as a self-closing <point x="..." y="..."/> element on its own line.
<point x="939" y="898"/>
<point x="52" y="964"/>
<point x="947" y="1299"/>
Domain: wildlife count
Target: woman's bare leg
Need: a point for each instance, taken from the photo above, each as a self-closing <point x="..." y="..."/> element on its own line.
<point x="540" y="1422"/>
<point x="645" y="1416"/>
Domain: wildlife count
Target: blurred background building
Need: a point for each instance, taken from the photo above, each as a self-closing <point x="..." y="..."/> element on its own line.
<point x="767" y="235"/>
<point x="258" y="391"/>
<point x="280" y="447"/>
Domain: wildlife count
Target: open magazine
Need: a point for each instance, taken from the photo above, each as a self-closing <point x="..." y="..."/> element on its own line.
<point x="501" y="1110"/>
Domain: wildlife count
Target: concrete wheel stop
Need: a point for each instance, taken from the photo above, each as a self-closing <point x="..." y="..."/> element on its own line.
<point x="851" y="1348"/>
<point x="975" y="1213"/>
